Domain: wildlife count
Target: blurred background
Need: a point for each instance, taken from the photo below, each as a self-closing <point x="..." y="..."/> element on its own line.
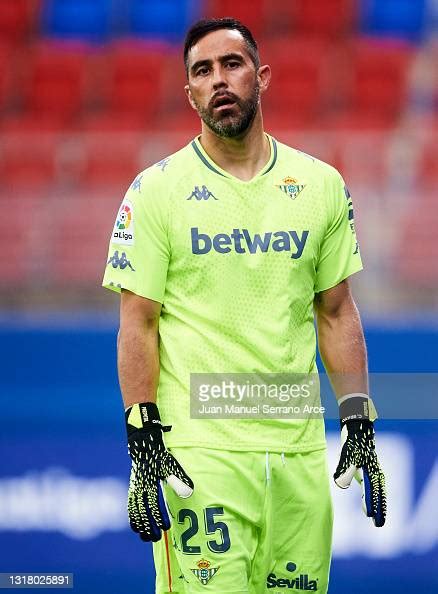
<point x="91" y="92"/>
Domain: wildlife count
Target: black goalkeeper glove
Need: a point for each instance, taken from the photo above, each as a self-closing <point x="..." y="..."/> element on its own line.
<point x="151" y="463"/>
<point x="358" y="457"/>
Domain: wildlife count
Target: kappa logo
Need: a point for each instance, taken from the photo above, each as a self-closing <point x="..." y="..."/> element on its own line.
<point x="163" y="163"/>
<point x="291" y="187"/>
<point x="121" y="262"/>
<point x="205" y="572"/>
<point x="136" y="184"/>
<point x="201" y="194"/>
<point x="300" y="582"/>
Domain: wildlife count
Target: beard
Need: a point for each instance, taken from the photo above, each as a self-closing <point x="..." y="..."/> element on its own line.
<point x="229" y="125"/>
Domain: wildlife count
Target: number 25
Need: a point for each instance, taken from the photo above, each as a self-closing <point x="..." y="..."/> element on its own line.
<point x="210" y="528"/>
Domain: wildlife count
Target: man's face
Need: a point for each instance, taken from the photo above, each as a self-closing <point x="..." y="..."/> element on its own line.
<point x="223" y="83"/>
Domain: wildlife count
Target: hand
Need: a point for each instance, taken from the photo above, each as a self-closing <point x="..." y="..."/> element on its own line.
<point x="359" y="459"/>
<point x="151" y="463"/>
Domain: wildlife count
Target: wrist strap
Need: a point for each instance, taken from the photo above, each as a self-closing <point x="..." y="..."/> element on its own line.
<point x="143" y="415"/>
<point x="356" y="406"/>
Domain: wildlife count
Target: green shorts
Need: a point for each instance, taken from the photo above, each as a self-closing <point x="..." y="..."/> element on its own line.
<point x="256" y="523"/>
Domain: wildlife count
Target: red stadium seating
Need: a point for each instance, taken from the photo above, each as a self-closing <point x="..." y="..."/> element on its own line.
<point x="27" y="162"/>
<point x="428" y="164"/>
<point x="416" y="259"/>
<point x="18" y="224"/>
<point x="135" y="82"/>
<point x="112" y="161"/>
<point x="6" y="72"/>
<point x="323" y="18"/>
<point x="80" y="239"/>
<point x="378" y="81"/>
<point x="249" y="12"/>
<point x="295" y="92"/>
<point x="56" y="81"/>
<point x="16" y="19"/>
<point x="28" y="123"/>
<point x="107" y="121"/>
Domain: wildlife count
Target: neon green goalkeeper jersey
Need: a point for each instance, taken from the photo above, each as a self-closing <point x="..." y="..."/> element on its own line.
<point x="236" y="266"/>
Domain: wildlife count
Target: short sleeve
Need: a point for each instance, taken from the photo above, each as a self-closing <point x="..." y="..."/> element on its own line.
<point x="339" y="255"/>
<point x="138" y="255"/>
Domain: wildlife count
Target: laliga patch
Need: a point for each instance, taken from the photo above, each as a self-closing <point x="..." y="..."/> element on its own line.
<point x="123" y="231"/>
<point x="205" y="572"/>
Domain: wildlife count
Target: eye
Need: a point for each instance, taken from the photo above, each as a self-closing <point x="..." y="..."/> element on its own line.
<point x="233" y="64"/>
<point x="202" y="71"/>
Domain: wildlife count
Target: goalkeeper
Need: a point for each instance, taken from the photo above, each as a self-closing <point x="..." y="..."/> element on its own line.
<point x="224" y="255"/>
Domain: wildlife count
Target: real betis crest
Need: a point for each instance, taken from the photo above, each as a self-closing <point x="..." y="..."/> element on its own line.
<point x="204" y="573"/>
<point x="291" y="187"/>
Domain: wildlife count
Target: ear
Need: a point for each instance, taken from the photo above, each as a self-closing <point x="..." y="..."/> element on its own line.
<point x="264" y="77"/>
<point x="189" y="96"/>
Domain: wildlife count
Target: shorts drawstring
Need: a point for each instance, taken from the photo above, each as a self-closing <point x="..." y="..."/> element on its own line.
<point x="282" y="459"/>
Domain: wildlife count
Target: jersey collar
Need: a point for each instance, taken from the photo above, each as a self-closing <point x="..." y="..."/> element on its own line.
<point x="202" y="155"/>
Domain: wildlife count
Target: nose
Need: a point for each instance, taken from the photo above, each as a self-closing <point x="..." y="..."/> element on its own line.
<point x="218" y="78"/>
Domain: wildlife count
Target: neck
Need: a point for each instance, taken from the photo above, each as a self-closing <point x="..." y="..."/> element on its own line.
<point x="243" y="156"/>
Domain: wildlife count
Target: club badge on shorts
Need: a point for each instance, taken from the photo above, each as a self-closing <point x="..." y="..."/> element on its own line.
<point x="205" y="572"/>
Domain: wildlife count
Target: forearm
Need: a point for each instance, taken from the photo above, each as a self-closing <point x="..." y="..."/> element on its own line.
<point x="343" y="351"/>
<point x="138" y="365"/>
<point x="137" y="349"/>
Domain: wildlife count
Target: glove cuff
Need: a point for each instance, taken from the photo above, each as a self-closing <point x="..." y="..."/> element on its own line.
<point x="143" y="415"/>
<point x="356" y="407"/>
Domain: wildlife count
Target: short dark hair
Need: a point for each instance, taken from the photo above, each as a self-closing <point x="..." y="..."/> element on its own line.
<point x="204" y="26"/>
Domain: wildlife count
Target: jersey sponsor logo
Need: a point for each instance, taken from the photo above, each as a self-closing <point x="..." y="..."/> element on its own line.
<point x="124" y="226"/>
<point x="291" y="187"/>
<point x="242" y="241"/>
<point x="201" y="194"/>
<point x="300" y="582"/>
<point x="121" y="262"/>
<point x="204" y="572"/>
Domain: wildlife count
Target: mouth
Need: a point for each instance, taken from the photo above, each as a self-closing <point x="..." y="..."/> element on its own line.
<point x="223" y="102"/>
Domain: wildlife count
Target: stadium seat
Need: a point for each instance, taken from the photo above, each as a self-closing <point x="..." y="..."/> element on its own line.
<point x="161" y="19"/>
<point x="28" y="123"/>
<point x="6" y="74"/>
<point x="108" y="121"/>
<point x="16" y="19"/>
<point x="378" y="80"/>
<point x="250" y="12"/>
<point x="324" y="18"/>
<point x="17" y="254"/>
<point x="174" y="105"/>
<point x="295" y="92"/>
<point x="89" y="20"/>
<point x="56" y="81"/>
<point x="27" y="162"/>
<point x="428" y="163"/>
<point x="112" y="161"/>
<point x="403" y="19"/>
<point x="416" y="256"/>
<point x="80" y="238"/>
<point x="185" y="120"/>
<point x="135" y="81"/>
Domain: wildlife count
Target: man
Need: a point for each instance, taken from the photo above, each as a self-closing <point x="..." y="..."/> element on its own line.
<point x="221" y="253"/>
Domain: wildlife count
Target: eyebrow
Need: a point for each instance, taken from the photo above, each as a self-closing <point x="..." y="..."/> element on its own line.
<point x="224" y="58"/>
